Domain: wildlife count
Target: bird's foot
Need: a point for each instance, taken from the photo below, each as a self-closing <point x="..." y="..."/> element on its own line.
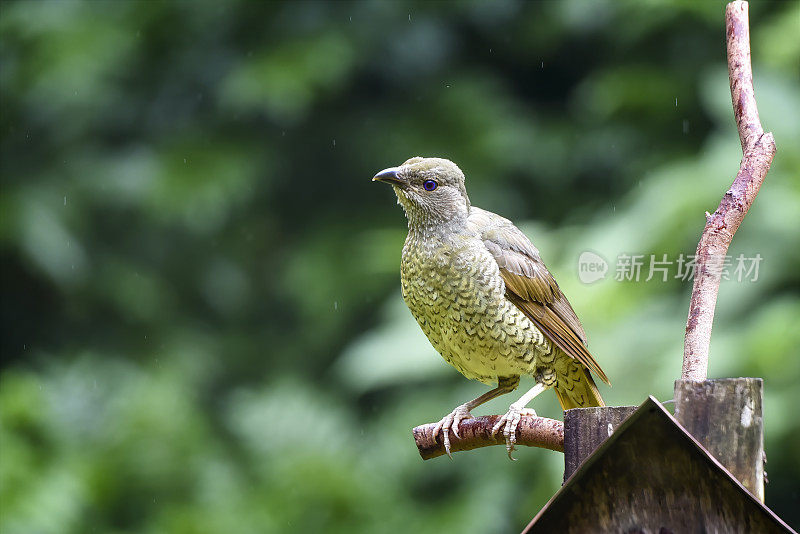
<point x="508" y="423"/>
<point x="450" y="423"/>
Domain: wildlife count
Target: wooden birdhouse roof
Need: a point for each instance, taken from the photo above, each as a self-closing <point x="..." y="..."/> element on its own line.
<point x="652" y="476"/>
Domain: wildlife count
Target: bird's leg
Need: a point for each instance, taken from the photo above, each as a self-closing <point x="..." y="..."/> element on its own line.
<point x="451" y="421"/>
<point x="511" y="418"/>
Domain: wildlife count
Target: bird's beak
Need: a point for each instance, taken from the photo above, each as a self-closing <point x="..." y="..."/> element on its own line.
<point x="389" y="176"/>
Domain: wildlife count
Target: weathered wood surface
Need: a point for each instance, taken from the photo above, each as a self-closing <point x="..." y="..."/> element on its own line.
<point x="725" y="415"/>
<point x="585" y="429"/>
<point x="651" y="476"/>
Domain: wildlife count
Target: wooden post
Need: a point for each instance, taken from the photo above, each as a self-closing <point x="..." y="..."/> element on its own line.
<point x="585" y="429"/>
<point x="724" y="415"/>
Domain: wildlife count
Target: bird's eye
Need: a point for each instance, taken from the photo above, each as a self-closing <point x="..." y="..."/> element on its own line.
<point x="430" y="185"/>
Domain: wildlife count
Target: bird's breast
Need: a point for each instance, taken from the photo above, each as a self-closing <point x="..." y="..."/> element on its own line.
<point x="456" y="294"/>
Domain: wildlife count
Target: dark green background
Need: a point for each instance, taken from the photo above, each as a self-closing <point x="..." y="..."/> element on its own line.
<point x="202" y="323"/>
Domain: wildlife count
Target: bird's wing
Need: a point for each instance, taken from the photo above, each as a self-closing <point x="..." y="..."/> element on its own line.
<point x="531" y="287"/>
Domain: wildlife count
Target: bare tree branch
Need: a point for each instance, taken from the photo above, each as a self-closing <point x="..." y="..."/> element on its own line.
<point x="477" y="432"/>
<point x="758" y="149"/>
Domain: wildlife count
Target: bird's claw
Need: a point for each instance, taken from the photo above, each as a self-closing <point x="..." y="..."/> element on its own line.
<point x="509" y="422"/>
<point x="449" y="423"/>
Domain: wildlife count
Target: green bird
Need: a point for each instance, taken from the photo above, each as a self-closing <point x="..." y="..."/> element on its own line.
<point x="479" y="290"/>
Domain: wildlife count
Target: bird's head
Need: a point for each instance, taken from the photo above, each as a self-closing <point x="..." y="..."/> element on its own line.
<point x="431" y="190"/>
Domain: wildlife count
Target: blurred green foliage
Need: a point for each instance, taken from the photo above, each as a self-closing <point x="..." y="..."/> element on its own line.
<point x="202" y="326"/>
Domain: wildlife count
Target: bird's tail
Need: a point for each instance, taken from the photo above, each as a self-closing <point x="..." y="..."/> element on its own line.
<point x="577" y="389"/>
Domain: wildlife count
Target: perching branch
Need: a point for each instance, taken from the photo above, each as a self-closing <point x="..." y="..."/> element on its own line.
<point x="758" y="149"/>
<point x="477" y="432"/>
